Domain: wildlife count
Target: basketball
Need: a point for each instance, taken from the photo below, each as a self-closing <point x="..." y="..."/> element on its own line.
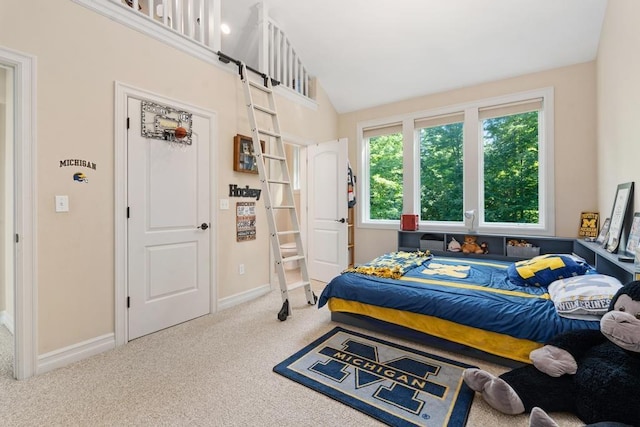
<point x="180" y="132"/>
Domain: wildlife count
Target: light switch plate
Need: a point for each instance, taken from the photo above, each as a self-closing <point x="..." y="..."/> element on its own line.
<point x="224" y="204"/>
<point x="62" y="203"/>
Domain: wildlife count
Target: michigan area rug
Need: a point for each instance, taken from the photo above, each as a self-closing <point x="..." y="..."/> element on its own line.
<point x="397" y="385"/>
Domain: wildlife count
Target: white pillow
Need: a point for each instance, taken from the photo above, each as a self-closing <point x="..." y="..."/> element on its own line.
<point x="584" y="297"/>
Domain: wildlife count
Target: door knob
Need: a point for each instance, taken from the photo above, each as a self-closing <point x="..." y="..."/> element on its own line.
<point x="342" y="220"/>
<point x="204" y="226"/>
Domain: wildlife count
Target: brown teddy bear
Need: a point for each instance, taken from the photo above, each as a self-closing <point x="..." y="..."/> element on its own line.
<point x="470" y="246"/>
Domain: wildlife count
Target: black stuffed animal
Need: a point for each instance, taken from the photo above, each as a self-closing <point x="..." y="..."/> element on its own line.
<point x="592" y="374"/>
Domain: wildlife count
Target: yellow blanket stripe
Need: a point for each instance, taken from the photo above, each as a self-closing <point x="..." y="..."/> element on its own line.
<point x="490" y="342"/>
<point x="473" y="262"/>
<point x="474" y="287"/>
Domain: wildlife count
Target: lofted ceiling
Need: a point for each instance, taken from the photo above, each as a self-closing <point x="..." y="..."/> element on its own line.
<point x="366" y="53"/>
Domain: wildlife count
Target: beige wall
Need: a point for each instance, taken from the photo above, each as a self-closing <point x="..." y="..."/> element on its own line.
<point x="79" y="56"/>
<point x="4" y="286"/>
<point x="618" y="70"/>
<point x="575" y="142"/>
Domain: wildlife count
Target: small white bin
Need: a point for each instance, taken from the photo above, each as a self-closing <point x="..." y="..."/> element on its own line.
<point x="432" y="245"/>
<point x="523" y="251"/>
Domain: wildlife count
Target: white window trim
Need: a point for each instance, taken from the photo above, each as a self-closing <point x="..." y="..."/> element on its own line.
<point x="472" y="167"/>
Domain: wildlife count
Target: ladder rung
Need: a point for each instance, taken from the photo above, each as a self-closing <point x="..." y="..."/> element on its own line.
<point x="283" y="207"/>
<point x="292" y="258"/>
<point x="260" y="86"/>
<point x="278" y="181"/>
<point x="269" y="132"/>
<point x="287" y="233"/>
<point x="264" y="110"/>
<point x="272" y="157"/>
<point x="297" y="285"/>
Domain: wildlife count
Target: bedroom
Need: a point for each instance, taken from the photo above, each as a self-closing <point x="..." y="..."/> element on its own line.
<point x="75" y="267"/>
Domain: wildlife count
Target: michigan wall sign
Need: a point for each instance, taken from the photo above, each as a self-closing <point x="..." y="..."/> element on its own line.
<point x="78" y="176"/>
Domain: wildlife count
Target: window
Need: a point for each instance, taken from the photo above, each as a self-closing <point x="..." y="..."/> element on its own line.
<point x="493" y="157"/>
<point x="510" y="142"/>
<point x="385" y="172"/>
<point x="441" y="167"/>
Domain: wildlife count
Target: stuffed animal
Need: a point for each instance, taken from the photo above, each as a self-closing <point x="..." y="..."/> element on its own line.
<point x="539" y="418"/>
<point x="470" y="246"/>
<point x="454" y="245"/>
<point x="594" y="374"/>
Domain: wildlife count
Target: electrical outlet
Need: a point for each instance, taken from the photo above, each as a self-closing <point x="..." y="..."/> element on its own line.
<point x="241" y="268"/>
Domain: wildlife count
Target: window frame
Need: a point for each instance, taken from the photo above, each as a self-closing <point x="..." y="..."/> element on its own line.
<point x="473" y="167"/>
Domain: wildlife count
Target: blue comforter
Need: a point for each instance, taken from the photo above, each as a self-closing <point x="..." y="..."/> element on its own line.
<point x="471" y="292"/>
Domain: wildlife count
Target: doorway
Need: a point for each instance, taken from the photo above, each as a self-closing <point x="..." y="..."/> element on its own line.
<point x="190" y="224"/>
<point x="7" y="311"/>
<point x="168" y="219"/>
<point x="17" y="213"/>
<point x="328" y="228"/>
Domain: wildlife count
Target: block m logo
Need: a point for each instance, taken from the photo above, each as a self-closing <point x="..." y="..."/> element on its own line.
<point x="397" y="381"/>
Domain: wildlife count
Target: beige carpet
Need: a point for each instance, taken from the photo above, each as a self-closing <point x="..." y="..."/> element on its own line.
<point x="213" y="371"/>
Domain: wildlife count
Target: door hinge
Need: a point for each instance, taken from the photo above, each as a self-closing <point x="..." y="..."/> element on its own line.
<point x="127" y="122"/>
<point x="128" y="212"/>
<point x="17" y="238"/>
<point x="128" y="302"/>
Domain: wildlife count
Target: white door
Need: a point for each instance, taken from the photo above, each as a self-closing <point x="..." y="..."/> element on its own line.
<point x="327" y="199"/>
<point x="168" y="227"/>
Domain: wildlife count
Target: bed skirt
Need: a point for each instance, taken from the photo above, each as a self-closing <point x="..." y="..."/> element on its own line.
<point x="507" y="349"/>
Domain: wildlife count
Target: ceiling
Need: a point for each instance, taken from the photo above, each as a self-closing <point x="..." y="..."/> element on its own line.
<point x="366" y="53"/>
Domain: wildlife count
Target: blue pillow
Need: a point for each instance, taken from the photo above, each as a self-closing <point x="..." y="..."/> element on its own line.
<point x="546" y="269"/>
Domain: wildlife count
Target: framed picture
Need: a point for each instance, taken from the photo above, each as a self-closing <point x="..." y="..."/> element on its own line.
<point x="624" y="193"/>
<point x="588" y="225"/>
<point x="244" y="159"/>
<point x="634" y="235"/>
<point x="604" y="232"/>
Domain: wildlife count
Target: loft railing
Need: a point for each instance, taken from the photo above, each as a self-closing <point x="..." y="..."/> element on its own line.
<point x="199" y="21"/>
<point x="283" y="63"/>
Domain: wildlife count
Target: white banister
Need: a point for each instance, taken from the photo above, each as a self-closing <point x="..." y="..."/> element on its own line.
<point x="198" y="20"/>
<point x="282" y="61"/>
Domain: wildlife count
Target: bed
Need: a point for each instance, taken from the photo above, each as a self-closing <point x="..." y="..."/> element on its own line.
<point x="495" y="310"/>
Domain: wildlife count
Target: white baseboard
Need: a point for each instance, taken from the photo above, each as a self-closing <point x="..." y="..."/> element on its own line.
<point x="7" y="320"/>
<point x="74" y="353"/>
<point x="243" y="297"/>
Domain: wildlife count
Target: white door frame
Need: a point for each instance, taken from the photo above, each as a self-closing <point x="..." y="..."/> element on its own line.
<point x="122" y="92"/>
<point x="25" y="285"/>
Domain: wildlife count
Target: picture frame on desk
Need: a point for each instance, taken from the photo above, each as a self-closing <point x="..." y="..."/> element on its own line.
<point x="604" y="232"/>
<point x="621" y="202"/>
<point x="634" y="235"/>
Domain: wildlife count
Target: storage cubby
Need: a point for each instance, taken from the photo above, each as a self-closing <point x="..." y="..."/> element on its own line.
<point x="437" y="243"/>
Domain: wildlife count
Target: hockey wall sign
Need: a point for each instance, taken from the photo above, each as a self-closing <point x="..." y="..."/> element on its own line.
<point x="245" y="221"/>
<point x="236" y="191"/>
